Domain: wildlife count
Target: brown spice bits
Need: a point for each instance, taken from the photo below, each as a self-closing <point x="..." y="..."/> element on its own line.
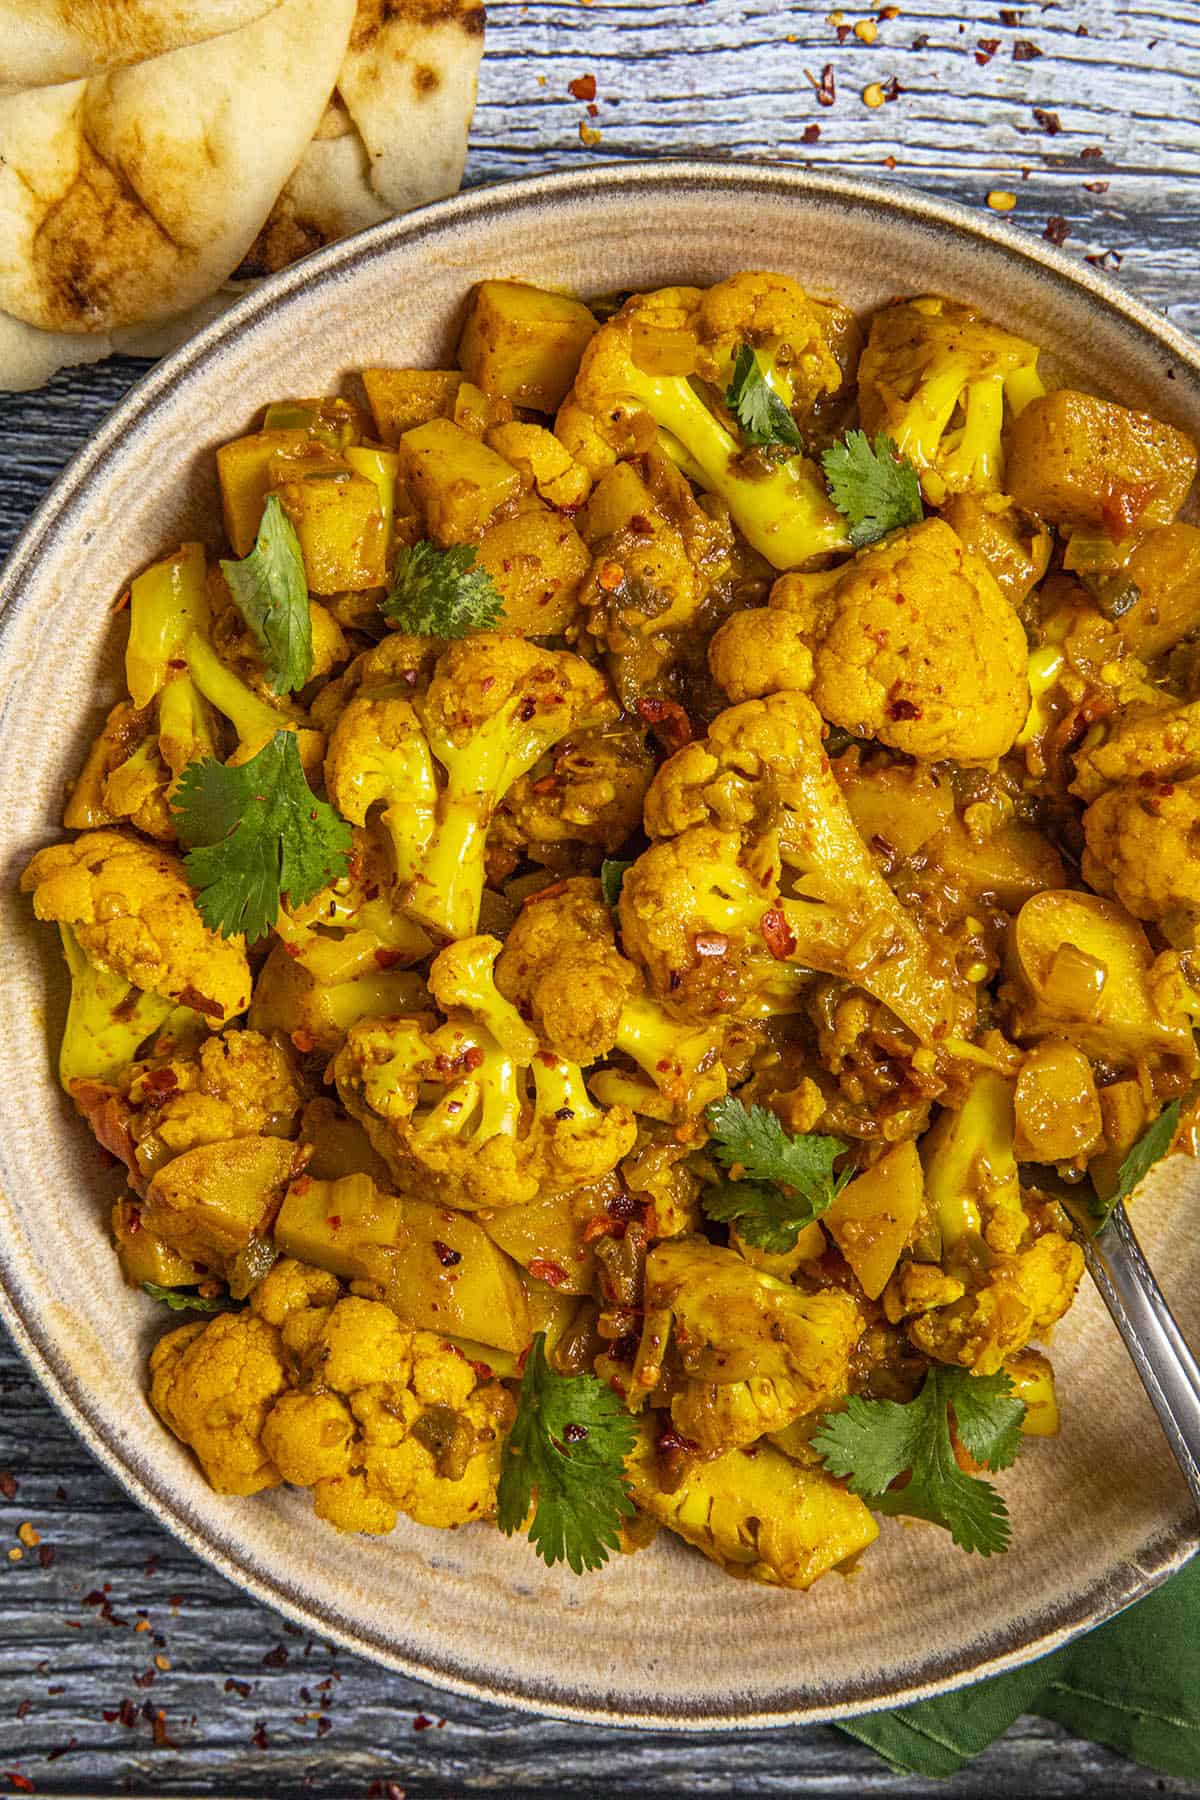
<point x="810" y="134"/>
<point x="1009" y="16"/>
<point x="1105" y="259"/>
<point x="1091" y="152"/>
<point x="1057" y="230"/>
<point x="583" y="87"/>
<point x="1025" y="50"/>
<point x="1050" y="122"/>
<point x="826" y="88"/>
<point x="8" y="1484"/>
<point x="1096" y="187"/>
<point x="985" y="49"/>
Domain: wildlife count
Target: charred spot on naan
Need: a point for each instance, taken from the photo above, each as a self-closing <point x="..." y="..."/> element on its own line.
<point x="375" y="16"/>
<point x="100" y="258"/>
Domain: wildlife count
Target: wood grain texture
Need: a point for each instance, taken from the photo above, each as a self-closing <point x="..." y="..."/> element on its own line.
<point x="250" y="1708"/>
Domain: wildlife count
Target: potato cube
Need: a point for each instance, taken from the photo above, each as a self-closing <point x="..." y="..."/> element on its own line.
<point x="328" y="419"/>
<point x="343" y="534"/>
<point x="523" y="343"/>
<point x="537" y="561"/>
<point x="873" y="1218"/>
<point x="209" y="1202"/>
<point x="403" y="398"/>
<point x="245" y="473"/>
<point x="1088" y="465"/>
<point x="1165" y="569"/>
<point x="455" y="479"/>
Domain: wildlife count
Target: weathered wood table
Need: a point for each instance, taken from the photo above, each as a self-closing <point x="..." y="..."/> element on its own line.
<point x="125" y="1664"/>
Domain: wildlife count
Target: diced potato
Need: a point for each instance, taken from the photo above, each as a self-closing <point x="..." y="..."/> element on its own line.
<point x="403" y="398"/>
<point x="873" y="1217"/>
<point x="328" y="418"/>
<point x="1125" y="1115"/>
<point x="455" y="479"/>
<point x="317" y="1015"/>
<point x="1033" y="1380"/>
<point x="538" y="562"/>
<point x="757" y="1514"/>
<point x="340" y="1145"/>
<point x="477" y="412"/>
<point x="546" y="1237"/>
<point x="145" y="1257"/>
<point x="435" y="1268"/>
<point x="1014" y="549"/>
<point x="970" y="1169"/>
<point x="382" y="467"/>
<point x="523" y="343"/>
<point x="901" y="805"/>
<point x="1165" y="568"/>
<point x="619" y="497"/>
<point x="339" y="521"/>
<point x="1007" y="867"/>
<point x="1081" y="969"/>
<point x="1089" y="465"/>
<point x="209" y="1202"/>
<point x="1057" y="1108"/>
<point x="245" y="473"/>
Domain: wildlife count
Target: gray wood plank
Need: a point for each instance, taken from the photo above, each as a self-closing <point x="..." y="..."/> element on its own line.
<point x="79" y="1689"/>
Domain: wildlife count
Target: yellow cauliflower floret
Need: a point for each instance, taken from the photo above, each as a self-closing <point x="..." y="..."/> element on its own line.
<point x="309" y="1437"/>
<point x="1139" y="743"/>
<point x="130" y="906"/>
<point x="761" y="651"/>
<point x="1143" y="845"/>
<point x="293" y="1287"/>
<point x="757" y="1513"/>
<point x="914" y="644"/>
<point x="773" y="314"/>
<point x="1021" y="1298"/>
<point x="214" y="1385"/>
<point x="238" y="1084"/>
<point x="561" y="968"/>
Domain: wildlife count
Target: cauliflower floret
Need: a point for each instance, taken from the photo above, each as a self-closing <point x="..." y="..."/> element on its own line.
<point x="236" y="1084"/>
<point x="131" y="909"/>
<point x="761" y="651"/>
<point x="914" y="644"/>
<point x="791" y="335"/>
<point x="756" y="1513"/>
<point x="743" y="1353"/>
<point x="337" y="1395"/>
<point x="123" y="778"/>
<point x="1020" y="1298"/>
<point x="561" y="968"/>
<point x="1143" y="845"/>
<point x="214" y="1385"/>
<point x="1141" y="743"/>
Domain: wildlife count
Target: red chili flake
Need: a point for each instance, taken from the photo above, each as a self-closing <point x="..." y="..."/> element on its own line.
<point x="1102" y="258"/>
<point x="527" y="709"/>
<point x="921" y="41"/>
<point x="472" y="1058"/>
<point x="1096" y="187"/>
<point x="1082" y="31"/>
<point x="669" y="1439"/>
<point x="668" y="721"/>
<point x="826" y="88"/>
<point x="625" y="1349"/>
<point x="46" y="1555"/>
<point x="24" y="1708"/>
<point x="421" y="1723"/>
<point x="1090" y="152"/>
<point x="1057" y="230"/>
<point x="162" y="1738"/>
<point x="146" y="1680"/>
<point x="892" y="89"/>
<point x="574" y="1434"/>
<point x="303" y="1041"/>
<point x="276" y="1658"/>
<point x="1050" y="122"/>
<point x="334" y="1221"/>
<point x="843" y="32"/>
<point x="552" y="1273"/>
<point x="985" y="49"/>
<point x="127" y="1713"/>
<point x="445" y="1255"/>
<point x="1026" y="51"/>
<point x="778" y="935"/>
<point x="21" y="1782"/>
<point x="903" y="709"/>
<point x="1009" y="16"/>
<point x="583" y="87"/>
<point x="259" y="1737"/>
<point x="710" y="943"/>
<point x="387" y="959"/>
<point x="593" y="112"/>
<point x="8" y="1484"/>
<point x="62" y="1750"/>
<point x="324" y="1725"/>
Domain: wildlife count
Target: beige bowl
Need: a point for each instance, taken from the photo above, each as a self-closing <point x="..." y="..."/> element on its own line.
<point x="1099" y="1515"/>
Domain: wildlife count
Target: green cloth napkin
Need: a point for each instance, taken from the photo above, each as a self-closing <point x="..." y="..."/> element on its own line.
<point x="1133" y="1684"/>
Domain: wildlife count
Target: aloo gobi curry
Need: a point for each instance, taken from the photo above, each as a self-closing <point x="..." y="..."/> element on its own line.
<point x="628" y="908"/>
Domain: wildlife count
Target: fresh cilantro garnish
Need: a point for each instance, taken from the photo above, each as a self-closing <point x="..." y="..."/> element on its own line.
<point x="183" y="1300"/>
<point x="755" y="405"/>
<point x="254" y="834"/>
<point x="271" y="594"/>
<point x="1154" y="1143"/>
<point x="612" y="875"/>
<point x="567" y="1447"/>
<point x="440" y="593"/>
<point x="876" y="490"/>
<point x="876" y="1441"/>
<point x="784" y="1182"/>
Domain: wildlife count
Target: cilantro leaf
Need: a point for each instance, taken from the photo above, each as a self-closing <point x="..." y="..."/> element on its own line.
<point x="254" y="834"/>
<point x="784" y="1183"/>
<point x="755" y="405"/>
<point x="567" y="1448"/>
<point x="271" y="593"/>
<point x="612" y="875"/>
<point x="876" y="490"/>
<point x="874" y="1442"/>
<point x="1154" y="1143"/>
<point x="183" y="1300"/>
<point x="440" y="593"/>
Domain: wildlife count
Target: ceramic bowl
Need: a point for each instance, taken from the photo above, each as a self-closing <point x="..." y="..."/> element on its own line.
<point x="1099" y="1514"/>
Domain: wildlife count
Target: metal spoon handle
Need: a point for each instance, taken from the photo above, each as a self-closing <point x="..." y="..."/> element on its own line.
<point x="1168" y="1369"/>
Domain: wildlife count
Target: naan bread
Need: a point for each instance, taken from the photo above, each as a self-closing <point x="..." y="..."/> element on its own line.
<point x="60" y="40"/>
<point x="394" y="136"/>
<point x="128" y="198"/>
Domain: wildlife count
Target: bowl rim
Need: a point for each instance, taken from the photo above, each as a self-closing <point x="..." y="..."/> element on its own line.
<point x="1170" y="1547"/>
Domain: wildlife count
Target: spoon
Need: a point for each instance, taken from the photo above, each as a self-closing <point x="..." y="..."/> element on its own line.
<point x="1168" y="1370"/>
